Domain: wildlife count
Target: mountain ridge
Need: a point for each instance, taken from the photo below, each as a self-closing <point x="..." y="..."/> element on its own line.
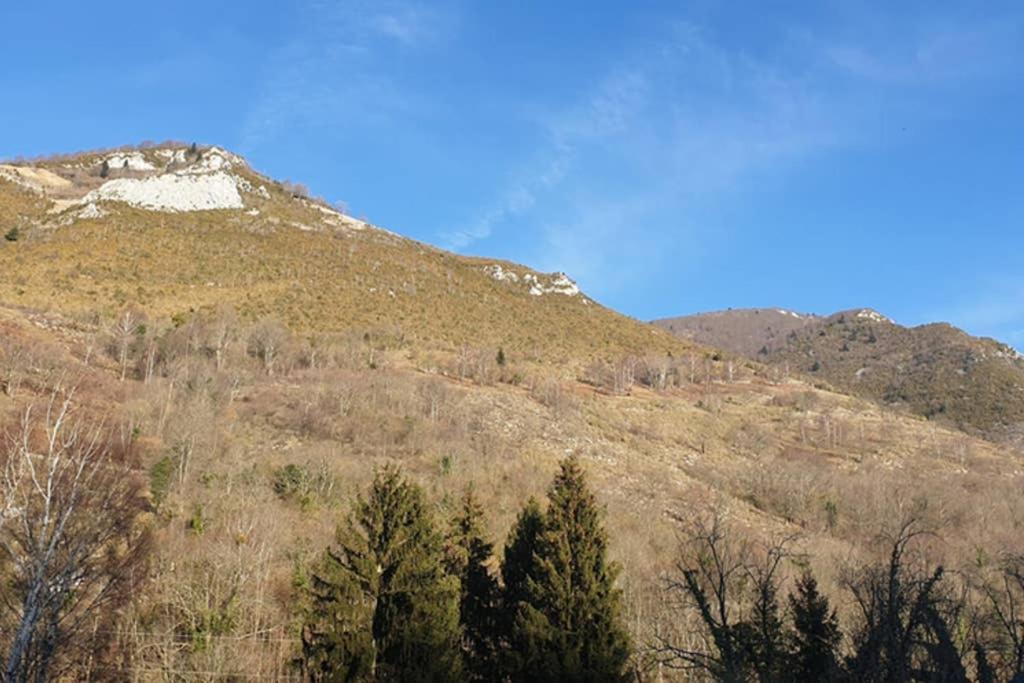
<point x="92" y="224"/>
<point x="935" y="370"/>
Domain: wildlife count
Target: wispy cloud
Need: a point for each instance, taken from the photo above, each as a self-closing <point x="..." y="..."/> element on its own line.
<point x="690" y="120"/>
<point x="330" y="70"/>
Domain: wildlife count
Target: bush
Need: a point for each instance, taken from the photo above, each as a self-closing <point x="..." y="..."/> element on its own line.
<point x="12" y="235"/>
<point x="298" y="483"/>
<point x="291" y="482"/>
<point x="160" y="480"/>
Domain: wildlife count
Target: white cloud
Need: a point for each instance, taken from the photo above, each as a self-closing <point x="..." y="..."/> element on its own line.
<point x="329" y="71"/>
<point x="691" y="120"/>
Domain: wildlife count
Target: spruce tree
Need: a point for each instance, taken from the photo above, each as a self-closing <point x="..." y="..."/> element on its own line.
<point x="382" y="605"/>
<point x="469" y="554"/>
<point x="762" y="636"/>
<point x="815" y="635"/>
<point x="570" y="624"/>
<point x="518" y="568"/>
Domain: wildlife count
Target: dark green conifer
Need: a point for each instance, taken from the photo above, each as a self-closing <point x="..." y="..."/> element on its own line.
<point x="518" y="568"/>
<point x="469" y="556"/>
<point x="569" y="626"/>
<point x="382" y="605"/>
<point x="815" y="635"/>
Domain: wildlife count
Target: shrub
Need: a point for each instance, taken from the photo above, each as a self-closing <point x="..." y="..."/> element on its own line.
<point x="160" y="480"/>
<point x="292" y="482"/>
<point x="12" y="235"/>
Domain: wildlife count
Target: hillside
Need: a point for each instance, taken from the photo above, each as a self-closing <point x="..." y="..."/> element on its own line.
<point x="936" y="370"/>
<point x="157" y="283"/>
<point x="171" y="230"/>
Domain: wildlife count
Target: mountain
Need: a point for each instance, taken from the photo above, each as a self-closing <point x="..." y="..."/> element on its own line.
<point x="259" y="353"/>
<point x="936" y="371"/>
<point x="171" y="229"/>
<point x="744" y="331"/>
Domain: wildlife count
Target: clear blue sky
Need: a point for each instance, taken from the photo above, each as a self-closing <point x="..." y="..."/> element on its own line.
<point x="671" y="156"/>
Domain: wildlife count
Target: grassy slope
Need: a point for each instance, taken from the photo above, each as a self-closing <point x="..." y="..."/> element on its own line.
<point x="325" y="279"/>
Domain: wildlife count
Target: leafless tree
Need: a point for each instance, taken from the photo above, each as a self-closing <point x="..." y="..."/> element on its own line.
<point x="123" y="335"/>
<point x="1003" y="616"/>
<point x="906" y="615"/>
<point x="266" y="339"/>
<point x="221" y="332"/>
<point x="72" y="547"/>
<point x="728" y="588"/>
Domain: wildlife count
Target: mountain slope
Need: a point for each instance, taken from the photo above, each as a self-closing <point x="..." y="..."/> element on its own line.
<point x="250" y="468"/>
<point x="936" y="370"/>
<point x="171" y="230"/>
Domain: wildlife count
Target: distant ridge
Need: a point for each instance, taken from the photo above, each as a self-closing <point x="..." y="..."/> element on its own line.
<point x="936" y="370"/>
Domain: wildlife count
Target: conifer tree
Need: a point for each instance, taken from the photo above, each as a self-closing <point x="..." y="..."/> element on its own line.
<point x="518" y="568"/>
<point x="468" y="556"/>
<point x="569" y="624"/>
<point x="815" y="636"/>
<point x="762" y="636"/>
<point x="383" y="606"/>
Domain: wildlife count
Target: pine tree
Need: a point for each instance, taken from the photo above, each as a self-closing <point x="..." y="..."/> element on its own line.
<point x="570" y="622"/>
<point x="816" y="634"/>
<point x="468" y="556"/>
<point x="383" y="606"/>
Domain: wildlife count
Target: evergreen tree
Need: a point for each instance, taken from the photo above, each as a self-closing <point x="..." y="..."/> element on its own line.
<point x="570" y="623"/>
<point x="815" y="636"/>
<point x="518" y="568"/>
<point x="762" y="636"/>
<point x="468" y="556"/>
<point x="383" y="606"/>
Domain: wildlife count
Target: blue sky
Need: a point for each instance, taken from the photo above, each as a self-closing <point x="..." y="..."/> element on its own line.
<point x="671" y="156"/>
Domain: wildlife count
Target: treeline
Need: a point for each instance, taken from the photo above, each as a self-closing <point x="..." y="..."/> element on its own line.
<point x="398" y="598"/>
<point x="909" y="620"/>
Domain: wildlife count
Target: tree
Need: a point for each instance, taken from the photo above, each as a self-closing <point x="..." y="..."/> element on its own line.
<point x="124" y="334"/>
<point x="1003" y="619"/>
<point x="221" y="330"/>
<point x="709" y="579"/>
<point x="762" y="634"/>
<point x="383" y="606"/>
<point x="815" y="636"/>
<point x="733" y="593"/>
<point x="73" y="547"/>
<point x="104" y="169"/>
<point x="469" y="554"/>
<point x="570" y="622"/>
<point x="905" y="618"/>
<point x="518" y="569"/>
<point x="265" y="340"/>
<point x="13" y="235"/>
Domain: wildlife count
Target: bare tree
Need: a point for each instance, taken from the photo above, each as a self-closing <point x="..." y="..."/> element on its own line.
<point x="906" y="615"/>
<point x="265" y="341"/>
<point x="72" y="546"/>
<point x="123" y="335"/>
<point x="729" y="590"/>
<point x="221" y="332"/>
<point x="1003" y="619"/>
